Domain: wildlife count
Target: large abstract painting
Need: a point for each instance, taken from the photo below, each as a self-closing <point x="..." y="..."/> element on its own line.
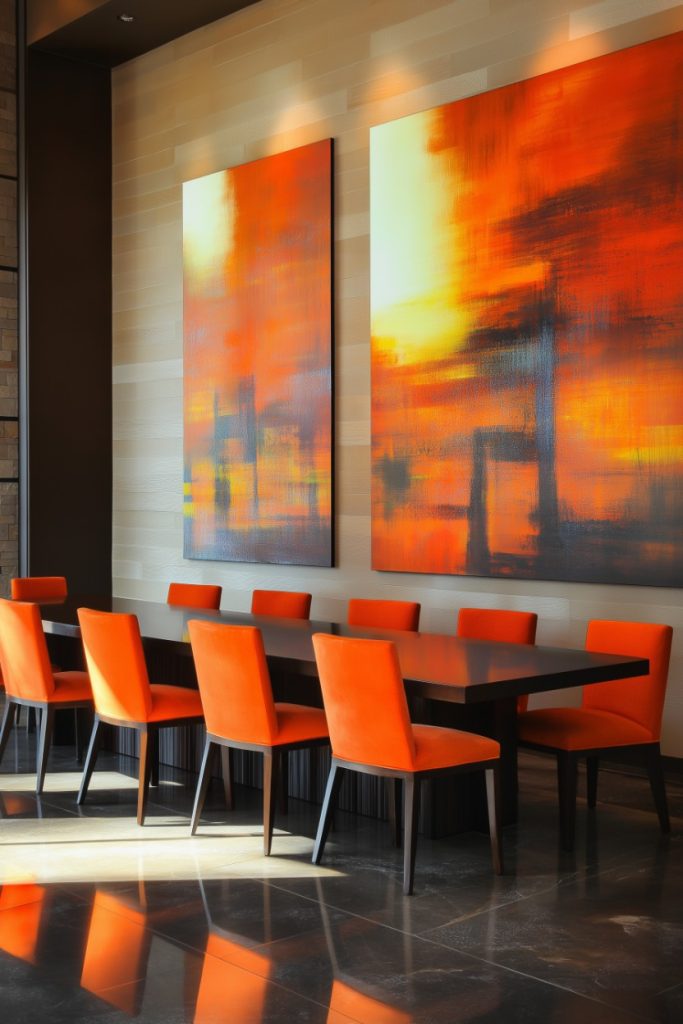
<point x="527" y="321"/>
<point x="257" y="255"/>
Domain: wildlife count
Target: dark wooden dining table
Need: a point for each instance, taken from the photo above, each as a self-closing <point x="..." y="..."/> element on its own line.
<point x="470" y="684"/>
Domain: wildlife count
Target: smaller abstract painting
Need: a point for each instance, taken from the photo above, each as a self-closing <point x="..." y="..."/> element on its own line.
<point x="257" y="267"/>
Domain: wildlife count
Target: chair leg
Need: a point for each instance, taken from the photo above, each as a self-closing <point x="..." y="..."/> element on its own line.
<point x="271" y="761"/>
<point x="47" y="721"/>
<point x="656" y="775"/>
<point x="146" y="747"/>
<point x="8" y="720"/>
<point x="592" y="766"/>
<point x="226" y="764"/>
<point x="495" y="831"/>
<point x="154" y="758"/>
<point x="566" y="780"/>
<point x="90" y="759"/>
<point x="334" y="781"/>
<point x="78" y="737"/>
<point x="411" y="813"/>
<point x="283" y="777"/>
<point x="202" y="784"/>
<point x="394" y="810"/>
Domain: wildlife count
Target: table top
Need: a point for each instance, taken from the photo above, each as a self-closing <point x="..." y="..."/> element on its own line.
<point x="434" y="665"/>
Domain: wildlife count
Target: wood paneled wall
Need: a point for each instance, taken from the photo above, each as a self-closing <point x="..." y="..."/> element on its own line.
<point x="276" y="75"/>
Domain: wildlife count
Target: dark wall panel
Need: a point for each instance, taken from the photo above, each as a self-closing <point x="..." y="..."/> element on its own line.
<point x="68" y="330"/>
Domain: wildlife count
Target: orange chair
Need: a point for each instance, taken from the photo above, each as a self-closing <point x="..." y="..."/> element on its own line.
<point x="38" y="588"/>
<point x="240" y="712"/>
<point x="194" y="595"/>
<point x="499" y="624"/>
<point x="30" y="680"/>
<point x="387" y="744"/>
<point x="384" y="614"/>
<point x="286" y="604"/>
<point x="618" y="717"/>
<point x="123" y="694"/>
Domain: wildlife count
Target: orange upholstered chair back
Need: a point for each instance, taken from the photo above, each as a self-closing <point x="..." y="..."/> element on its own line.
<point x="287" y="604"/>
<point x="640" y="700"/>
<point x="23" y="652"/>
<point x="116" y="665"/>
<point x="365" y="702"/>
<point x="234" y="682"/>
<point x="194" y="595"/>
<point x="39" y="588"/>
<point x="502" y="625"/>
<point x="383" y="614"/>
<point x="497" y="624"/>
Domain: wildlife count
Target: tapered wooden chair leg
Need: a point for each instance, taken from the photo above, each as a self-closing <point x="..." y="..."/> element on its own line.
<point x="270" y="781"/>
<point x="146" y="745"/>
<point x="226" y="765"/>
<point x="656" y="777"/>
<point x="592" y="768"/>
<point x="334" y="781"/>
<point x="566" y="779"/>
<point x="393" y="791"/>
<point x="8" y="720"/>
<point x="90" y="759"/>
<point x="78" y="730"/>
<point x="154" y="758"/>
<point x="47" y="721"/>
<point x="411" y="813"/>
<point x="202" y="784"/>
<point x="493" y="804"/>
<point x="283" y="784"/>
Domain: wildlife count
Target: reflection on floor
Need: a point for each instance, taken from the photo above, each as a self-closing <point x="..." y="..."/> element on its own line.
<point x="102" y="921"/>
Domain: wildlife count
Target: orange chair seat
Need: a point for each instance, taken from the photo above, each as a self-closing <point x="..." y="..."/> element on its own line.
<point x="71" y="686"/>
<point x="579" y="729"/>
<point x="297" y="723"/>
<point x="436" y="747"/>
<point x="169" y="702"/>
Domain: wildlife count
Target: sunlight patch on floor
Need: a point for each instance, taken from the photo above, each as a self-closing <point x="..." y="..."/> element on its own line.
<point x="87" y="845"/>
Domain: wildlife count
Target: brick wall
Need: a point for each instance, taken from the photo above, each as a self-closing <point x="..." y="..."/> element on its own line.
<point x="9" y="455"/>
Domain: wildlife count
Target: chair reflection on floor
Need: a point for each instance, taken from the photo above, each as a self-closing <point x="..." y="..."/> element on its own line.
<point x="21" y="911"/>
<point x="116" y="953"/>
<point x="233" y="985"/>
<point x="234" y="980"/>
<point x="347" y="999"/>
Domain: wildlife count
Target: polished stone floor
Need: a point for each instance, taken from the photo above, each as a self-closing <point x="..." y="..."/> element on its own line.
<point x="102" y="921"/>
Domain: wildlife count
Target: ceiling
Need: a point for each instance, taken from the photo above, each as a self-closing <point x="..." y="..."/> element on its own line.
<point x="90" y="30"/>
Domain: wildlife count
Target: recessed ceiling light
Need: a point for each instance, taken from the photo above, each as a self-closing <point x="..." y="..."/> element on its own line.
<point x="125" y="17"/>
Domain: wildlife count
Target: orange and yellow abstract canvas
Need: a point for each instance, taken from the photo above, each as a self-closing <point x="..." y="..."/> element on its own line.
<point x="257" y="261"/>
<point x="527" y="328"/>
